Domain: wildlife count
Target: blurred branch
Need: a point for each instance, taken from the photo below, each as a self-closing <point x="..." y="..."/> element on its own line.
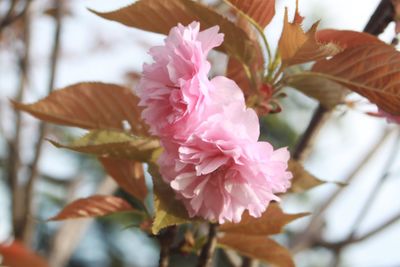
<point x="316" y="224"/>
<point x="208" y="249"/>
<point x="26" y="229"/>
<point x="319" y="117"/>
<point x="14" y="144"/>
<point x="11" y="17"/>
<point x="166" y="237"/>
<point x="350" y="241"/>
<point x="376" y="188"/>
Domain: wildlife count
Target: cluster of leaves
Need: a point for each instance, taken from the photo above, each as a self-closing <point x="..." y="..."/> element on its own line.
<point x="345" y="60"/>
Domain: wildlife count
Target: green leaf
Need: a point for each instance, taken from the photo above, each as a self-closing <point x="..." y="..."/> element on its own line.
<point x="302" y="179"/>
<point x="121" y="145"/>
<point x="327" y="92"/>
<point x="258" y="247"/>
<point x="271" y="222"/>
<point x="168" y="210"/>
<point x="160" y="16"/>
<point x="90" y="105"/>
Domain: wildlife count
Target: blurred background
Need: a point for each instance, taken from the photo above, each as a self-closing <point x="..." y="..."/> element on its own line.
<point x="47" y="44"/>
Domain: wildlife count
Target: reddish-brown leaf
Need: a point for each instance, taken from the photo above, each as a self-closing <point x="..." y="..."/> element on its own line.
<point x="160" y="16"/>
<point x="258" y="247"/>
<point x="17" y="255"/>
<point x="128" y="174"/>
<point x="94" y="206"/>
<point x="261" y="11"/>
<point x="372" y="70"/>
<point x="302" y="180"/>
<point x="271" y="222"/>
<point x="345" y="38"/>
<point x="327" y="92"/>
<point x="248" y="80"/>
<point x="90" y="106"/>
<point x="296" y="46"/>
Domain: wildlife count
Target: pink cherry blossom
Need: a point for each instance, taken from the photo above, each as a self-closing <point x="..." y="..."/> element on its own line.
<point x="175" y="88"/>
<point x="212" y="158"/>
<point x="222" y="170"/>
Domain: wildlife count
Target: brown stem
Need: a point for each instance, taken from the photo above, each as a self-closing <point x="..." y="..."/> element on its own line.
<point x="14" y="145"/>
<point x="166" y="237"/>
<point x="26" y="229"/>
<point x="247" y="262"/>
<point x="312" y="130"/>
<point x="207" y="252"/>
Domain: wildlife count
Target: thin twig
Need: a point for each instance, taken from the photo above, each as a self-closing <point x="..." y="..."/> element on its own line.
<point x="376" y="188"/>
<point x="26" y="227"/>
<point x="207" y="252"/>
<point x="316" y="224"/>
<point x="166" y="237"/>
<point x="319" y="117"/>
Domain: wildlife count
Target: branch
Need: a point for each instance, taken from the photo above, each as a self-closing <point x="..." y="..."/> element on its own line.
<point x="14" y="145"/>
<point x="376" y="188"/>
<point x="208" y="249"/>
<point x="10" y="18"/>
<point x="26" y="230"/>
<point x="318" y="118"/>
<point x="166" y="237"/>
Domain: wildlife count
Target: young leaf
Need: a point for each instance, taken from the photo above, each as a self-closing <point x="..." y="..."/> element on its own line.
<point x="327" y="92"/>
<point x="372" y="70"/>
<point x="271" y="222"/>
<point x="302" y="179"/>
<point x="261" y="11"/>
<point x="345" y="38"/>
<point x="160" y="16"/>
<point x="17" y="255"/>
<point x="248" y="77"/>
<point x="296" y="46"/>
<point x="258" y="247"/>
<point x="168" y="210"/>
<point x="90" y="106"/>
<point x="128" y="174"/>
<point x="94" y="206"/>
<point x="105" y="143"/>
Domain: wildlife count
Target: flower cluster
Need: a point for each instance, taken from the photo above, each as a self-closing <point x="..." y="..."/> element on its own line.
<point x="212" y="158"/>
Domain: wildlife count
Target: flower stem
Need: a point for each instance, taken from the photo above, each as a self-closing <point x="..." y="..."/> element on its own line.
<point x="166" y="237"/>
<point x="208" y="249"/>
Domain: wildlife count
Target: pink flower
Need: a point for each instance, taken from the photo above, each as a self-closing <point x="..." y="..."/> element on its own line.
<point x="212" y="158"/>
<point x="175" y="89"/>
<point x="222" y="170"/>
